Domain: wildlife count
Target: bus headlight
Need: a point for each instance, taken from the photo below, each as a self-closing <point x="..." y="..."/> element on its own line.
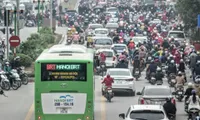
<point x="87" y="118"/>
<point x="39" y="118"/>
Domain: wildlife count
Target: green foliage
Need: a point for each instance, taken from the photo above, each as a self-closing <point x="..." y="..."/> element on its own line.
<point x="36" y="43"/>
<point x="25" y="60"/>
<point x="189" y="10"/>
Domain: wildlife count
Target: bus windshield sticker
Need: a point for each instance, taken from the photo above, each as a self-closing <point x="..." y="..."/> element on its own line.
<point x="63" y="72"/>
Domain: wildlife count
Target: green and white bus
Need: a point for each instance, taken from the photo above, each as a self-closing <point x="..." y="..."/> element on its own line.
<point x="64" y="86"/>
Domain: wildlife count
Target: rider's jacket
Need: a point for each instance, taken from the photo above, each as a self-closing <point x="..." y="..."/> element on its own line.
<point x="108" y="81"/>
<point x="76" y="37"/>
<point x="180" y="80"/>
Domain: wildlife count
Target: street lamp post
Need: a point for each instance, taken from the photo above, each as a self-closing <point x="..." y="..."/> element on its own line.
<point x="8" y="8"/>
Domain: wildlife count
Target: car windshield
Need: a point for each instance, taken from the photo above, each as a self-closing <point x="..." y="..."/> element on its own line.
<point x="111" y="26"/>
<point x="96" y="26"/>
<point x="119" y="47"/>
<point x="157" y="92"/>
<point x="101" y="32"/>
<point x="119" y="73"/>
<point x="103" y="42"/>
<point x="108" y="53"/>
<point x="112" y="10"/>
<point x="176" y="35"/>
<point x="147" y="114"/>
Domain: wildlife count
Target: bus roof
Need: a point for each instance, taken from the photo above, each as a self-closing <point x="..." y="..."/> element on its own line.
<point x="63" y="56"/>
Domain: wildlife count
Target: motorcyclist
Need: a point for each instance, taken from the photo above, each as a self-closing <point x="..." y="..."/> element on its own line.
<point x="188" y="91"/>
<point x="151" y="69"/>
<point x="192" y="61"/>
<point x="182" y="68"/>
<point x="136" y="64"/>
<point x="7" y="67"/>
<point x="122" y="64"/>
<point x="102" y="57"/>
<point x="179" y="80"/>
<point x="16" y="62"/>
<point x="108" y="80"/>
<point x="159" y="75"/>
<point x="76" y="37"/>
<point x="169" y="108"/>
<point x="193" y="102"/>
<point x="172" y="68"/>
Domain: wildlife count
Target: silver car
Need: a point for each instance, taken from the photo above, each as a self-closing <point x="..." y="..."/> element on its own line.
<point x="178" y="36"/>
<point x="102" y="42"/>
<point x="111" y="60"/>
<point x="123" y="80"/>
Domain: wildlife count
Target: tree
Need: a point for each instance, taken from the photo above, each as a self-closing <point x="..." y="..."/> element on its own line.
<point x="189" y="10"/>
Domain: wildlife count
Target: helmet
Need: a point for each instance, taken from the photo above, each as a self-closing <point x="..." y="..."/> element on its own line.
<point x="190" y="85"/>
<point x="172" y="61"/>
<point x="76" y="32"/>
<point x="149" y="58"/>
<point x="193" y="91"/>
<point x="7" y="63"/>
<point x="158" y="69"/>
<point x="179" y="73"/>
<point x="181" y="60"/>
<point x="168" y="99"/>
<point x="198" y="62"/>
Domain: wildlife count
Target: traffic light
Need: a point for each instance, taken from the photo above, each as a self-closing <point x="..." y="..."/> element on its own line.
<point x="6" y="18"/>
<point x="3" y="30"/>
<point x="11" y="30"/>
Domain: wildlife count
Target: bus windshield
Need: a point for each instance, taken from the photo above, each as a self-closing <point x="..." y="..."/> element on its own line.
<point x="63" y="72"/>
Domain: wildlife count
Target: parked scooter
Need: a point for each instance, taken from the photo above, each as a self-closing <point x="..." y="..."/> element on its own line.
<point x="193" y="113"/>
<point x="23" y="75"/>
<point x="5" y="83"/>
<point x="14" y="78"/>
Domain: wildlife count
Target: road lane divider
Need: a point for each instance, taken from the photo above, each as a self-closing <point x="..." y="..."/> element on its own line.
<point x="103" y="108"/>
<point x="30" y="112"/>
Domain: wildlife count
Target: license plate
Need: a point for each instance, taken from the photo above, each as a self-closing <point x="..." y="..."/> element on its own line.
<point x="109" y="91"/>
<point x="157" y="103"/>
<point x="180" y="93"/>
<point x="69" y="40"/>
<point x="119" y="82"/>
<point x="63" y="110"/>
<point x="137" y="72"/>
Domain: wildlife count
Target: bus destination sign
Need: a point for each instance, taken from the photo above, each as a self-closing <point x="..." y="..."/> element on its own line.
<point x="63" y="72"/>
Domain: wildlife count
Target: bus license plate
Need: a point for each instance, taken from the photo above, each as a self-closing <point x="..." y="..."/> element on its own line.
<point x="63" y="110"/>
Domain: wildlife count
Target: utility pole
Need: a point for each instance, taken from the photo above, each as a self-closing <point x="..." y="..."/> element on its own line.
<point x="17" y="30"/>
<point x="51" y="15"/>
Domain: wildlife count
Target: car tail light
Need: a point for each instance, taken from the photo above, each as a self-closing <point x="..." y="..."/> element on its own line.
<point x="142" y="101"/>
<point x="173" y="101"/>
<point x="113" y="58"/>
<point x="131" y="79"/>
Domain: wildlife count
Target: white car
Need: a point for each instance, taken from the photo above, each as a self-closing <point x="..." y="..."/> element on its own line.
<point x="123" y="80"/>
<point x="101" y="32"/>
<point x="146" y="112"/>
<point x="111" y="59"/>
<point x="140" y="39"/>
<point x="120" y="48"/>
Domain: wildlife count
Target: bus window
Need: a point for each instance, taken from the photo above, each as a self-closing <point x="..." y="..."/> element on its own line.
<point x="63" y="72"/>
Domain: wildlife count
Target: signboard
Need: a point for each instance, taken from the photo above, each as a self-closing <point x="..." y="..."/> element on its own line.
<point x="14" y="41"/>
<point x="63" y="72"/>
<point x="198" y="24"/>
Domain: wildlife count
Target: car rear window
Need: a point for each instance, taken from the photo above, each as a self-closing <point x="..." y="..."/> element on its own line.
<point x="101" y="32"/>
<point x="147" y="115"/>
<point x="157" y="92"/>
<point x="95" y="26"/>
<point x="119" y="47"/>
<point x="119" y="73"/>
<point x="103" y="42"/>
<point x="176" y="35"/>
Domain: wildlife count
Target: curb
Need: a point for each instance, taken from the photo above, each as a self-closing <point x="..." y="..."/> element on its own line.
<point x="62" y="39"/>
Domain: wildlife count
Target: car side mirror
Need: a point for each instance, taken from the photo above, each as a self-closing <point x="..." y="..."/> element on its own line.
<point x="122" y="115"/>
<point x="139" y="93"/>
<point x="173" y="93"/>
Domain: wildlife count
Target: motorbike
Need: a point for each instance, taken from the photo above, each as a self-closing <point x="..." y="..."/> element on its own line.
<point x="14" y="78"/>
<point x="172" y="116"/>
<point x="69" y="42"/>
<point x="172" y="80"/>
<point x="152" y="79"/>
<point x="179" y="93"/>
<point x="5" y="83"/>
<point x="108" y="94"/>
<point x="197" y="79"/>
<point x="23" y="75"/>
<point x="101" y="69"/>
<point x="159" y="82"/>
<point x="193" y="113"/>
<point x="29" y="23"/>
<point x="137" y="74"/>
